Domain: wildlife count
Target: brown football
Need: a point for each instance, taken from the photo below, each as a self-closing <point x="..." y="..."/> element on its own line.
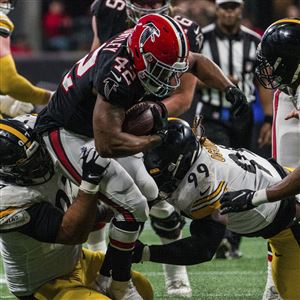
<point x="139" y="118"/>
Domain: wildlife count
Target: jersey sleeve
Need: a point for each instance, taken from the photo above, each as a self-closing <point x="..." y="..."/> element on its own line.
<point x="120" y="88"/>
<point x="14" y="201"/>
<point x="193" y="32"/>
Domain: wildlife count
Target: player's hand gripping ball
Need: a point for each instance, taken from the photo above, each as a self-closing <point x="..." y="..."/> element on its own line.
<point x="143" y="118"/>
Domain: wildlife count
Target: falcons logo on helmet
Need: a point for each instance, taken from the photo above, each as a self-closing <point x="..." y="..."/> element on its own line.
<point x="150" y="32"/>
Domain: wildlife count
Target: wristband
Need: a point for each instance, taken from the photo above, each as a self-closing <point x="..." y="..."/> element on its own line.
<point x="260" y="197"/>
<point x="268" y="119"/>
<point x="88" y="187"/>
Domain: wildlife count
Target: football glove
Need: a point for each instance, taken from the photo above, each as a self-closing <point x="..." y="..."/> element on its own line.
<point x="236" y="201"/>
<point x="6" y="25"/>
<point x="92" y="172"/>
<point x="239" y="103"/>
<point x="160" y="121"/>
<point x="13" y="108"/>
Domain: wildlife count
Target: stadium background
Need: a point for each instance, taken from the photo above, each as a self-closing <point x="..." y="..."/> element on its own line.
<point x="220" y="279"/>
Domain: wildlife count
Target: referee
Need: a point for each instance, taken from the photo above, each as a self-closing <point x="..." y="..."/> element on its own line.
<point x="233" y="48"/>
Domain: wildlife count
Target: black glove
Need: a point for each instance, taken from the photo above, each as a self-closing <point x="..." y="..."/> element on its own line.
<point x="237" y="99"/>
<point x="138" y="252"/>
<point x="92" y="172"/>
<point x="160" y="121"/>
<point x="236" y="201"/>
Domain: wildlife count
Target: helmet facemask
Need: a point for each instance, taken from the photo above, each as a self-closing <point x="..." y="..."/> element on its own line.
<point x="135" y="12"/>
<point x="7" y="7"/>
<point x="158" y="78"/>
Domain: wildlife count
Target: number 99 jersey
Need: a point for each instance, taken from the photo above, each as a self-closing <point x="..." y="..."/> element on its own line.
<point x="219" y="169"/>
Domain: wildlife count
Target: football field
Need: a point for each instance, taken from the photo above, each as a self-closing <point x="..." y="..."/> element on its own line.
<point x="220" y="279"/>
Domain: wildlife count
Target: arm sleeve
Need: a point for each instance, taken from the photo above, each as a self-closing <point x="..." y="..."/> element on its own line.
<point x="16" y="86"/>
<point x="45" y="221"/>
<point x="6" y="25"/>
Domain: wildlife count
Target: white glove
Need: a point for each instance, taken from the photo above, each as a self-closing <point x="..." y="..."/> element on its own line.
<point x="12" y="107"/>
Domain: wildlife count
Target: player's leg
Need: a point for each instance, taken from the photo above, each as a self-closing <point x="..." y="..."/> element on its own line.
<point x="80" y="284"/>
<point x="121" y="194"/>
<point x="131" y="210"/>
<point x="165" y="221"/>
<point x="286" y="262"/>
<point x="167" y="224"/>
<point x="270" y="292"/>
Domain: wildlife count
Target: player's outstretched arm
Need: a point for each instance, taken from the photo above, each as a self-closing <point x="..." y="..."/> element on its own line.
<point x="247" y="199"/>
<point x="209" y="73"/>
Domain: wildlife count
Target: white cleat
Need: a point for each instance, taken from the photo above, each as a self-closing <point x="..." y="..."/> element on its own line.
<point x="102" y="284"/>
<point x="270" y="293"/>
<point x="120" y="290"/>
<point x="177" y="281"/>
<point x="179" y="288"/>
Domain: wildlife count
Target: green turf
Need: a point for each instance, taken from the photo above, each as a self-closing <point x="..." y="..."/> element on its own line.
<point x="242" y="278"/>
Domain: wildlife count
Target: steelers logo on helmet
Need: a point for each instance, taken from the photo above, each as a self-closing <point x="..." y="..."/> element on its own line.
<point x="170" y="162"/>
<point x="137" y="8"/>
<point x="23" y="160"/>
<point x="159" y="48"/>
<point x="278" y="55"/>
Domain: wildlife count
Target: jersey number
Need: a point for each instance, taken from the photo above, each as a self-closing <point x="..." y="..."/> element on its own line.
<point x="115" y="4"/>
<point x="246" y="164"/>
<point x="82" y="66"/>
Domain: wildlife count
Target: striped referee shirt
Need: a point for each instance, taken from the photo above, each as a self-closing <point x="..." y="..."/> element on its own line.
<point x="235" y="55"/>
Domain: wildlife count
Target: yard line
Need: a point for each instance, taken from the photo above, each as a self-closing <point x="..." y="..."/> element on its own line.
<point x="2" y="279"/>
<point x="211" y="273"/>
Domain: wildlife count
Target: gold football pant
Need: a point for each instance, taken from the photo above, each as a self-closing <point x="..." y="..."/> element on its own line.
<point x="286" y="262"/>
<point x="78" y="284"/>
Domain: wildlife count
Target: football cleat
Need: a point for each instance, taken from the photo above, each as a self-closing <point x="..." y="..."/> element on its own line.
<point x="120" y="290"/>
<point x="102" y="284"/>
<point x="270" y="293"/>
<point x="179" y="288"/>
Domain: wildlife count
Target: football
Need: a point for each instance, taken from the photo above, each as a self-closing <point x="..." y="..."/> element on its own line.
<point x="139" y="118"/>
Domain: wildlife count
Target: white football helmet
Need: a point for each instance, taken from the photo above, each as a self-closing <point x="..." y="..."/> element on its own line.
<point x="136" y="9"/>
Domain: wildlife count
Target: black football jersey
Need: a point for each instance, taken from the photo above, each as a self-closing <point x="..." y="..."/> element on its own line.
<point x="108" y="71"/>
<point x="111" y="19"/>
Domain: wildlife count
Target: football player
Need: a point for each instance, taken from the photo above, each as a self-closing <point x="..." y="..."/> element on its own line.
<point x="192" y="174"/>
<point x="109" y="19"/>
<point x="41" y="229"/>
<point x="91" y="101"/>
<point x="12" y="85"/>
<point x="279" y="61"/>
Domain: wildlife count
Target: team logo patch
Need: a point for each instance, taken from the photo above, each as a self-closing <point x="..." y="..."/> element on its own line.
<point x="15" y="220"/>
<point x="110" y="85"/>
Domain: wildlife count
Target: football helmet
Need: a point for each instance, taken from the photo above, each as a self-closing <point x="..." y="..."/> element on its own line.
<point x="170" y="162"/>
<point x="160" y="49"/>
<point x="6" y="7"/>
<point x="23" y="161"/>
<point x="135" y="9"/>
<point x="278" y="56"/>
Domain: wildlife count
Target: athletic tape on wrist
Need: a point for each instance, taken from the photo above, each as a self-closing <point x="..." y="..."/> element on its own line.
<point x="88" y="187"/>
<point x="260" y="197"/>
